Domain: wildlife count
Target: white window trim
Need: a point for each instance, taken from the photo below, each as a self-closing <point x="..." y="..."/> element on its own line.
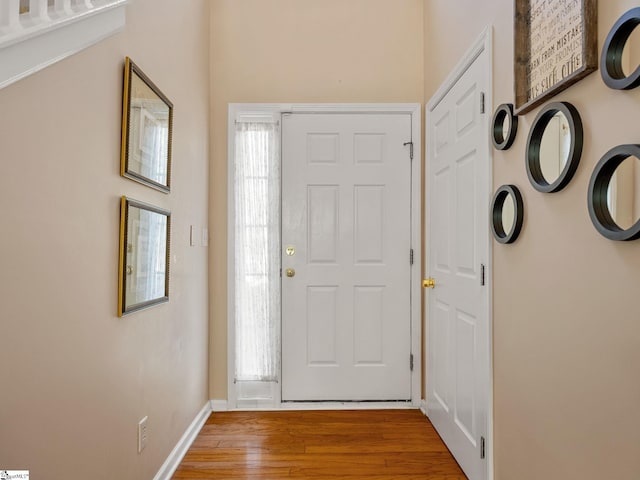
<point x="272" y="112"/>
<point x="28" y="49"/>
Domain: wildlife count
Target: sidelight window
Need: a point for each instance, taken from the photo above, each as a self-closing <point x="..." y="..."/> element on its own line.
<point x="257" y="247"/>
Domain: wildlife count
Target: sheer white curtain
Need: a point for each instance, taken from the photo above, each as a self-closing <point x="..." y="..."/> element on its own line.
<point x="157" y="255"/>
<point x="147" y="233"/>
<point x="257" y="251"/>
<point x="154" y="166"/>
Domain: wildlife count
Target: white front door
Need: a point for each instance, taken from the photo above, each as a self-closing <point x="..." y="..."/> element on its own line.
<point x="458" y="167"/>
<point x="346" y="240"/>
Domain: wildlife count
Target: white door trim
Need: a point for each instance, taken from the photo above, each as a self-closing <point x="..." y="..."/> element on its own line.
<point x="261" y="110"/>
<point x="484" y="43"/>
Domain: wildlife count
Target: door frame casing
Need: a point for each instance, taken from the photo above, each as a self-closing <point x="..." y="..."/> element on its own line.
<point x="483" y="44"/>
<point x="246" y="111"/>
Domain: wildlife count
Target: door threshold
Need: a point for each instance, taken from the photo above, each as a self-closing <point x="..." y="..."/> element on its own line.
<point x="325" y="405"/>
<point x="355" y="405"/>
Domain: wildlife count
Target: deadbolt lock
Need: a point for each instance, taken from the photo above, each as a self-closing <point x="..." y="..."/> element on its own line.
<point x="291" y="251"/>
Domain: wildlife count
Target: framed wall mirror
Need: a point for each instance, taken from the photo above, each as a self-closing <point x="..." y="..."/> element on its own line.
<point x="147" y="123"/>
<point x="620" y="60"/>
<point x="614" y="194"/>
<point x="144" y="256"/>
<point x="504" y="126"/>
<point x="554" y="147"/>
<point x="507" y="214"/>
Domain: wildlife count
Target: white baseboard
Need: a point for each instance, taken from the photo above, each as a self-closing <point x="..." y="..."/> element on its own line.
<point x="177" y="454"/>
<point x="423" y="406"/>
<point x="219" y="405"/>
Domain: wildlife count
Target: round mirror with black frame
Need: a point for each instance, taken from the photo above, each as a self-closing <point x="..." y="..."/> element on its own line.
<point x="504" y="126"/>
<point x="507" y="214"/>
<point x="614" y="194"/>
<point x="613" y="59"/>
<point x="554" y="147"/>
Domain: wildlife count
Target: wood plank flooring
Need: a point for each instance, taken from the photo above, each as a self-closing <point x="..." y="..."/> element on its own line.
<point x="314" y="445"/>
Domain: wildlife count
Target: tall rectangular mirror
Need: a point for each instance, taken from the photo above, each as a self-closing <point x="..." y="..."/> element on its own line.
<point x="147" y="123"/>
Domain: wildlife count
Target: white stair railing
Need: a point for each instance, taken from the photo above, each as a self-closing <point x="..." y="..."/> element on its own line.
<point x="9" y="15"/>
<point x="37" y="33"/>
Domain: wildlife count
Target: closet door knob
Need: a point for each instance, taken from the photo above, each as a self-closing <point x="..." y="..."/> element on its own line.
<point x="429" y="283"/>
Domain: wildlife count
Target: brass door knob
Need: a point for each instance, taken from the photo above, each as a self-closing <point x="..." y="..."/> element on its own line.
<point x="429" y="283"/>
<point x="290" y="272"/>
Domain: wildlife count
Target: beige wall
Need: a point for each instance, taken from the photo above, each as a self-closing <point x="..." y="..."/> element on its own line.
<point x="74" y="378"/>
<point x="566" y="323"/>
<point x="299" y="51"/>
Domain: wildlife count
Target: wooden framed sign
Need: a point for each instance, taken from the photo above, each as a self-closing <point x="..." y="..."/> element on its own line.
<point x="556" y="44"/>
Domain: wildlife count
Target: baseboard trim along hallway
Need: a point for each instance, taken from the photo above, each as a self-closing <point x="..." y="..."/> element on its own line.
<point x="219" y="405"/>
<point x="182" y="447"/>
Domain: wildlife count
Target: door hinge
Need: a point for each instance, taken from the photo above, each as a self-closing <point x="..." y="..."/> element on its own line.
<point x="411" y="362"/>
<point x="481" y="102"/>
<point x="481" y="447"/>
<point x="410" y="149"/>
<point x="411" y="257"/>
<point x="482" y="275"/>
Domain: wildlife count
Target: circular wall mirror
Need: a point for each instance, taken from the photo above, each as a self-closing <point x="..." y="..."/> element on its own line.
<point x="554" y="147"/>
<point x="618" y="54"/>
<point x="504" y="126"/>
<point x="630" y="59"/>
<point x="614" y="193"/>
<point x="507" y="213"/>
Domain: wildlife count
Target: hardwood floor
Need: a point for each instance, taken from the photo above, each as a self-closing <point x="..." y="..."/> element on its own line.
<point x="314" y="445"/>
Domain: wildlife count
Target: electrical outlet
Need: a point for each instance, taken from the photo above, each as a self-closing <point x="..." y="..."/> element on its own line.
<point x="143" y="434"/>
